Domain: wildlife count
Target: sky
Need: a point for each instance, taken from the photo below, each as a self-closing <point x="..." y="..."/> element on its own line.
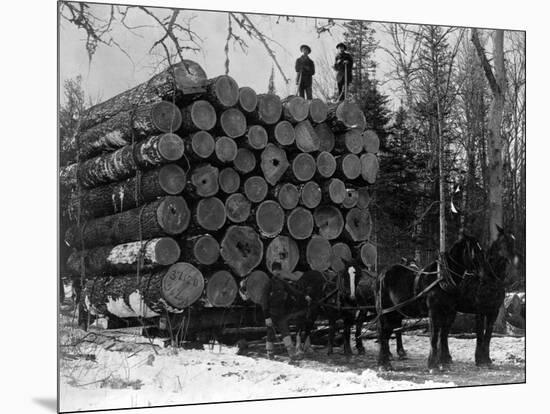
<point x="111" y="71"/>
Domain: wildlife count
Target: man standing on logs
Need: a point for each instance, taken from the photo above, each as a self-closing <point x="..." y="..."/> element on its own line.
<point x="343" y="66"/>
<point x="305" y="69"/>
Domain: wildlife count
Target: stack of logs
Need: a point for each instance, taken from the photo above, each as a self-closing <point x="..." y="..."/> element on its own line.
<point x="187" y="188"/>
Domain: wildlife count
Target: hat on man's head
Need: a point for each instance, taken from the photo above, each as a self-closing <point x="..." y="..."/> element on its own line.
<point x="307" y="47"/>
<point x="341" y="45"/>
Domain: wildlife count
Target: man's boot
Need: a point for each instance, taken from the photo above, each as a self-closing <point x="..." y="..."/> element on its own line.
<point x="269" y="349"/>
<point x="287" y="340"/>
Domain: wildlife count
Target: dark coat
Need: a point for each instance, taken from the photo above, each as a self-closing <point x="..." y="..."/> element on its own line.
<point x="305" y="66"/>
<point x="340" y="67"/>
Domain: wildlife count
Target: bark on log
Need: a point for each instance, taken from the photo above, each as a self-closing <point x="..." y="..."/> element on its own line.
<point x="255" y="285"/>
<point x="210" y="213"/>
<point x="326" y="137"/>
<point x="233" y="123"/>
<point x="295" y="109"/>
<point x="255" y="188"/>
<point x="124" y="162"/>
<point x="369" y="167"/>
<point x="329" y="221"/>
<point x="283" y="133"/>
<point x="270" y="218"/>
<point x="269" y="109"/>
<point x="199" y="115"/>
<point x="168" y="215"/>
<point x="123" y="258"/>
<point x="242" y="249"/>
<point x="307" y="139"/>
<point x="248" y="100"/>
<point x="368" y="255"/>
<point x="326" y="164"/>
<point x="318" y="253"/>
<point x="303" y="167"/>
<point x="334" y="190"/>
<point x="299" y="223"/>
<point x="245" y="161"/>
<point x="284" y="250"/>
<point x="237" y="208"/>
<point x="350" y="141"/>
<point x="117" y="197"/>
<point x="273" y="163"/>
<point x="202" y="249"/>
<point x="225" y="149"/>
<point x="371" y="142"/>
<point x="310" y="194"/>
<point x="222" y="92"/>
<point x="358" y="224"/>
<point x="349" y="166"/>
<point x="256" y="137"/>
<point x="118" y="131"/>
<point x="318" y="110"/>
<point x="229" y="180"/>
<point x="346" y="115"/>
<point x="287" y="194"/>
<point x="186" y="77"/>
<point x="352" y="198"/>
<point x="221" y="289"/>
<point x="200" y="146"/>
<point x="364" y="197"/>
<point x="340" y="251"/>
<point x="204" y="181"/>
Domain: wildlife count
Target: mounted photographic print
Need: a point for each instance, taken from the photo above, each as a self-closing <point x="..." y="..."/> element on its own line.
<point x="259" y="206"/>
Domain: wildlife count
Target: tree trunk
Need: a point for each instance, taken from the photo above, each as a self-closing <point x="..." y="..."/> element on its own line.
<point x="283" y="133"/>
<point x="268" y="111"/>
<point x="310" y="194"/>
<point x="326" y="164"/>
<point x="124" y="162"/>
<point x="232" y="123"/>
<point x="346" y="115"/>
<point x="245" y="161"/>
<point x="352" y="198"/>
<point x="340" y="251"/>
<point x="273" y="163"/>
<point x="229" y="180"/>
<point x="242" y="249"/>
<point x="358" y="224"/>
<point x="317" y="111"/>
<point x="168" y="215"/>
<point x="368" y="254"/>
<point x="221" y="289"/>
<point x="326" y="137"/>
<point x="255" y="285"/>
<point x="256" y="137"/>
<point x="371" y="142"/>
<point x="295" y="109"/>
<point x="329" y="221"/>
<point x="248" y="100"/>
<point x="150" y="295"/>
<point x="369" y="167"/>
<point x="284" y="250"/>
<point x="199" y="115"/>
<point x="255" y="188"/>
<point x="222" y="92"/>
<point x="349" y="166"/>
<point x="210" y="214"/>
<point x="349" y="141"/>
<point x="318" y="253"/>
<point x="334" y="190"/>
<point x="303" y="167"/>
<point x="307" y="139"/>
<point x="204" y="181"/>
<point x="270" y="218"/>
<point x="185" y="77"/>
<point x="126" y="126"/>
<point x="202" y="249"/>
<point x="300" y="223"/>
<point x="199" y="146"/>
<point x="237" y="208"/>
<point x="117" y="197"/>
<point x="287" y="195"/>
<point x="124" y="258"/>
<point x="225" y="149"/>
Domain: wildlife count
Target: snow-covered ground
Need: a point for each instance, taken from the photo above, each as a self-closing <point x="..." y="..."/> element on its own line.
<point x="137" y="375"/>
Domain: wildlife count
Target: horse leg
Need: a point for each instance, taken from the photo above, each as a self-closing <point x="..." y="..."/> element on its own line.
<point x="445" y="358"/>
<point x="435" y="326"/>
<point x="489" y="324"/>
<point x="384" y="333"/>
<point x="358" y="328"/>
<point x="348" y="321"/>
<point x="399" y="346"/>
<point x="331" y="329"/>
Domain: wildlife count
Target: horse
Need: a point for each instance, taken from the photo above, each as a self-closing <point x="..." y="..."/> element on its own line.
<point x="436" y="285"/>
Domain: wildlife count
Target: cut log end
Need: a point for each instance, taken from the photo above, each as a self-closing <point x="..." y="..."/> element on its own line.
<point x="203" y="144"/>
<point x="206" y="250"/>
<point x="369" y="167"/>
<point x="242" y="249"/>
<point x="284" y="250"/>
<point x="353" y="140"/>
<point x="340" y="252"/>
<point x="368" y="255"/>
<point x="167" y="251"/>
<point x="233" y="123"/>
<point x="364" y="198"/>
<point x="189" y="76"/>
<point x="310" y="194"/>
<point x="326" y="137"/>
<point x="336" y="190"/>
<point x="304" y="167"/>
<point x="226" y="149"/>
<point x="205" y="180"/>
<point x="255" y="285"/>
<point x="210" y="214"/>
<point x="352" y="198"/>
<point x="182" y="285"/>
<point x="284" y="133"/>
<point x="245" y="161"/>
<point x="371" y="142"/>
<point x="170" y="147"/>
<point x="221" y="289"/>
<point x="318" y="253"/>
<point x="229" y="180"/>
<point x="166" y="116"/>
<point x="199" y="115"/>
<point x="326" y="164"/>
<point x="288" y="196"/>
<point x="329" y="221"/>
<point x="270" y="218"/>
<point x="248" y="100"/>
<point x="351" y="166"/>
<point x="237" y="208"/>
<point x="358" y="224"/>
<point x="255" y="189"/>
<point x="317" y="110"/>
<point x="300" y="223"/>
<point x="257" y="137"/>
<point x="349" y="115"/>
<point x="307" y="139"/>
<point x="172" y="179"/>
<point x="173" y="215"/>
<point x="226" y="91"/>
<point x="295" y="108"/>
<point x="269" y="108"/>
<point x="274" y="163"/>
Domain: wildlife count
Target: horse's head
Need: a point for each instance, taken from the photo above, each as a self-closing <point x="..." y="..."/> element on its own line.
<point x="503" y="254"/>
<point x="467" y="254"/>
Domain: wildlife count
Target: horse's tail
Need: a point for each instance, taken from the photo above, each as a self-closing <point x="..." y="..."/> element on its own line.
<point x="378" y="291"/>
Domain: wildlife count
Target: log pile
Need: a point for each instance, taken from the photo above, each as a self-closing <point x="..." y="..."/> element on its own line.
<point x="185" y="188"/>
